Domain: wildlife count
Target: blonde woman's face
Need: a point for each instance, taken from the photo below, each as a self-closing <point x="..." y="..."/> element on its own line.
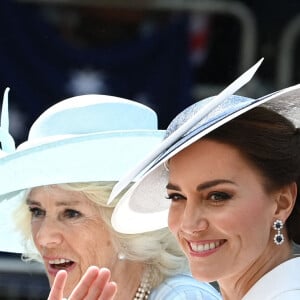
<point x="69" y="233"/>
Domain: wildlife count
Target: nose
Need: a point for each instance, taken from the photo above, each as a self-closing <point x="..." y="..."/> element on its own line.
<point x="48" y="233"/>
<point x="194" y="218"/>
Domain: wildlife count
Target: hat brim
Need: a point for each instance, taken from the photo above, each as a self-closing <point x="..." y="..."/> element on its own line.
<point x="84" y="158"/>
<point x="73" y="159"/>
<point x="143" y="207"/>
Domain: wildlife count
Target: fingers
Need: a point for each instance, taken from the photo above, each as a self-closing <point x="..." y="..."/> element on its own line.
<point x="57" y="288"/>
<point x="82" y="288"/>
<point x="94" y="285"/>
<point x="102" y="288"/>
<point x="109" y="291"/>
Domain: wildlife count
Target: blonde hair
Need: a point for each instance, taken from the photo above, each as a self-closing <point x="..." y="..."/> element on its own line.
<point x="157" y="249"/>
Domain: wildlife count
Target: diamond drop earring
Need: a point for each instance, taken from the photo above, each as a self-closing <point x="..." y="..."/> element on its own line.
<point x="278" y="237"/>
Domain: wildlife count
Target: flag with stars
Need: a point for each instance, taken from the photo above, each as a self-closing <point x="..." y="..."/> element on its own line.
<point x="42" y="67"/>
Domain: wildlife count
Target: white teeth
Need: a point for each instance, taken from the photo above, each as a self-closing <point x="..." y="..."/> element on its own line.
<point x="59" y="261"/>
<point x="204" y="247"/>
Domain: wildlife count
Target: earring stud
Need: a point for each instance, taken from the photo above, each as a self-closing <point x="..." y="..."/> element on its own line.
<point x="121" y="256"/>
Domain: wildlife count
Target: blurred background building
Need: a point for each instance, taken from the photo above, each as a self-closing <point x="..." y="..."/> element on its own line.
<point x="164" y="53"/>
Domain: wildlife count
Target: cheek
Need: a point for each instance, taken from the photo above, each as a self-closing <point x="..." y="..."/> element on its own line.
<point x="255" y="221"/>
<point x="173" y="220"/>
<point x="251" y="221"/>
<point x="96" y="245"/>
<point x="34" y="228"/>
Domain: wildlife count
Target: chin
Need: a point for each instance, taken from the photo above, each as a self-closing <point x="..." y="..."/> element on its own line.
<point x="202" y="276"/>
<point x="50" y="279"/>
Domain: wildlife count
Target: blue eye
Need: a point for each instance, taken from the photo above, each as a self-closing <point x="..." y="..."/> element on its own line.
<point x="36" y="212"/>
<point x="71" y="213"/>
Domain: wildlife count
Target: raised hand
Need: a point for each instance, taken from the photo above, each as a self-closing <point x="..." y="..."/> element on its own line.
<point x="94" y="285"/>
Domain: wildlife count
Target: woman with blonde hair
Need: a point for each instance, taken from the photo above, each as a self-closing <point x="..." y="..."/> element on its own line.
<point x="56" y="186"/>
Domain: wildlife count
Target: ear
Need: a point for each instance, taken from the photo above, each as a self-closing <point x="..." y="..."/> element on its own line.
<point x="285" y="200"/>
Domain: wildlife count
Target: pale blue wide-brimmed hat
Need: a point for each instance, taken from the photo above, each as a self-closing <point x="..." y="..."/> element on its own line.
<point x="144" y="207"/>
<point x="80" y="139"/>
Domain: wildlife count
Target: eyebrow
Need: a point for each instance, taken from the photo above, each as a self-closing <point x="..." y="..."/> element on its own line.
<point x="202" y="186"/>
<point x="58" y="203"/>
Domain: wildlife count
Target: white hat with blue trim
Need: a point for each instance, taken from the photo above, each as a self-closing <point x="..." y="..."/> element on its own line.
<point x="80" y="139"/>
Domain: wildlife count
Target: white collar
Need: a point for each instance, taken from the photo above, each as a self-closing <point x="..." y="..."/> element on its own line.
<point x="284" y="277"/>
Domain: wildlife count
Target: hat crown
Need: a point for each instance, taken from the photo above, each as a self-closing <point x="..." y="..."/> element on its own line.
<point x="81" y="139"/>
<point x="89" y="114"/>
<point x="225" y="108"/>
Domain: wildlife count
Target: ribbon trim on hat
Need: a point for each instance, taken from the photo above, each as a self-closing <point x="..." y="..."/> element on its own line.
<point x="6" y="139"/>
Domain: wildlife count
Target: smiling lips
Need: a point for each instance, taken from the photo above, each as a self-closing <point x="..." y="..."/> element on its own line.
<point x="205" y="248"/>
<point x="60" y="263"/>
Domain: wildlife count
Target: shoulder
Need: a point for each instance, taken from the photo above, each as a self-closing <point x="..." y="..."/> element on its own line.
<point x="184" y="287"/>
<point x="288" y="295"/>
<point x="281" y="283"/>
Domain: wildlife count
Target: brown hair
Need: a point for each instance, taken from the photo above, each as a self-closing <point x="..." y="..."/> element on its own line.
<point x="272" y="144"/>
